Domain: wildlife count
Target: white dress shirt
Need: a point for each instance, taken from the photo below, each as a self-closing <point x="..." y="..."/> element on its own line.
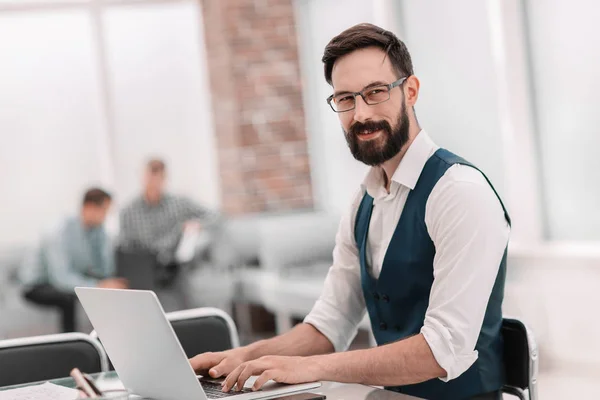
<point x="469" y="231"/>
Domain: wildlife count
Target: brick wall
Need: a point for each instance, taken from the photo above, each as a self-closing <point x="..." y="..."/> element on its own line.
<point x="257" y="102"/>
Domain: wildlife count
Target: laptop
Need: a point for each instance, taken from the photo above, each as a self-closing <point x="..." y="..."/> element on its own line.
<point x="146" y="353"/>
<point x="138" y="267"/>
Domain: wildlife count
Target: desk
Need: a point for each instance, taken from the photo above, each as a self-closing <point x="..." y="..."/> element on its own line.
<point x="333" y="390"/>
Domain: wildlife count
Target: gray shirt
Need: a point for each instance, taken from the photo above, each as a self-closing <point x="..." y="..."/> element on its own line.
<point x="158" y="227"/>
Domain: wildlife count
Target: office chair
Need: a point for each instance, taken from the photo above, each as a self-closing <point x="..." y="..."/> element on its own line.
<point x="204" y="329"/>
<point x="41" y="358"/>
<point x="520" y="360"/>
<point x="200" y="330"/>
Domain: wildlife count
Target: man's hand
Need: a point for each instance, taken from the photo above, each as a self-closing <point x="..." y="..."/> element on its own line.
<point x="192" y="226"/>
<point x="219" y="364"/>
<point x="113" y="283"/>
<point x="281" y="369"/>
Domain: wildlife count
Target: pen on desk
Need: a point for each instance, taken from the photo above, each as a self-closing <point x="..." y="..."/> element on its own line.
<point x="82" y="383"/>
<point x="90" y="381"/>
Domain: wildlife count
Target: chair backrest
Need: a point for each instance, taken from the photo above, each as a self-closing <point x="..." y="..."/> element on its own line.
<point x="520" y="358"/>
<point x="200" y="330"/>
<point x="204" y="329"/>
<point x="41" y="358"/>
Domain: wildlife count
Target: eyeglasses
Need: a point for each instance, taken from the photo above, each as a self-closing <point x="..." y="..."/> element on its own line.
<point x="372" y="95"/>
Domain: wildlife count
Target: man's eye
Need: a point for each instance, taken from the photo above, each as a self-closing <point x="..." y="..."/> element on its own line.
<point x="344" y="99"/>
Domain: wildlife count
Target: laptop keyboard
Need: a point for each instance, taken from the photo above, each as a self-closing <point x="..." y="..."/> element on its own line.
<point x="214" y="390"/>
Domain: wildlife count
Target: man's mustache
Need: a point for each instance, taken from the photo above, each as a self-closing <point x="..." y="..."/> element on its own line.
<point x="370" y="126"/>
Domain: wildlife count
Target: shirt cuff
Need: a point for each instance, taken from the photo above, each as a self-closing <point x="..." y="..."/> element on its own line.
<point x="334" y="326"/>
<point x="445" y="353"/>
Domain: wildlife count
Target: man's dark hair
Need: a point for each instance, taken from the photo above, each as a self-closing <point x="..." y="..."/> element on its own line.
<point x="367" y="35"/>
<point x="156" y="166"/>
<point x="96" y="196"/>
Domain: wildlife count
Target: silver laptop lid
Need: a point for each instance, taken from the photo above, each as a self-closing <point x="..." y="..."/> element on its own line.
<point x="141" y="343"/>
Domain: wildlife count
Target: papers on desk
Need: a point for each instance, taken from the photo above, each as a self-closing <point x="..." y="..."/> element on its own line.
<point x="46" y="391"/>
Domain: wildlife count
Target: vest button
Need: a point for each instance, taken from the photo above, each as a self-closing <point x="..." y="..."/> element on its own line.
<point x="397" y="327"/>
<point x="376" y="296"/>
<point x="385" y="298"/>
<point x="383" y="326"/>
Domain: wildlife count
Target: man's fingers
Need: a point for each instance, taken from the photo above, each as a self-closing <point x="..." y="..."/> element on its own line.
<point x="251" y="369"/>
<point x="232" y="378"/>
<point x="262" y="379"/>
<point x="200" y="362"/>
<point x="221" y="369"/>
<point x="204" y="361"/>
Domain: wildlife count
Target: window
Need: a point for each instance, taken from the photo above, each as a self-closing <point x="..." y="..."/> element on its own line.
<point x="89" y="90"/>
<point x="565" y="57"/>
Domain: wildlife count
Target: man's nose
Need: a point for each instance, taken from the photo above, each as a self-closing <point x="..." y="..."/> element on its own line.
<point x="362" y="111"/>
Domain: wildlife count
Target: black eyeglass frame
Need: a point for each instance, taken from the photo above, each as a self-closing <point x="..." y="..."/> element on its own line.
<point x="389" y="87"/>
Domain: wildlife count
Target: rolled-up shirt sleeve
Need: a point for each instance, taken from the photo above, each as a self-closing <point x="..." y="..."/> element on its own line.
<point x="341" y="306"/>
<point x="467" y="225"/>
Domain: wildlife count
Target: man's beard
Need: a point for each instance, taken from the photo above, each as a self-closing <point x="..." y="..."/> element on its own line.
<point x="373" y="152"/>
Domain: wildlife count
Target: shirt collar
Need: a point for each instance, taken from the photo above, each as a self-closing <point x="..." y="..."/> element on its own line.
<point x="409" y="169"/>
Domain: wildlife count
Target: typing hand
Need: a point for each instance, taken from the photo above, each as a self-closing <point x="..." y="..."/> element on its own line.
<point x="218" y="364"/>
<point x="278" y="368"/>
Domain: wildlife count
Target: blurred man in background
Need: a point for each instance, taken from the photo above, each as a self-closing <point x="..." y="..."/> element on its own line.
<point x="159" y="223"/>
<point x="76" y="253"/>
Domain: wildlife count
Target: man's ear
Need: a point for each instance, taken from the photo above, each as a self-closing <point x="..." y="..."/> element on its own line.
<point x="411" y="90"/>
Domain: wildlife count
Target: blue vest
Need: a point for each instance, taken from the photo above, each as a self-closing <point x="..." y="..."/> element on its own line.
<point x="398" y="300"/>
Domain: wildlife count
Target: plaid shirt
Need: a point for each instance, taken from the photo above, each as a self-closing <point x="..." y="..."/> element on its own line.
<point x="158" y="227"/>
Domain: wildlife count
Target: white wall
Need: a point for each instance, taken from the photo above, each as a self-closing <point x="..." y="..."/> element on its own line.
<point x="161" y="97"/>
<point x="87" y="97"/>
<point x="553" y="288"/>
<point x="50" y="119"/>
<point x="565" y="49"/>
<point x="450" y="45"/>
